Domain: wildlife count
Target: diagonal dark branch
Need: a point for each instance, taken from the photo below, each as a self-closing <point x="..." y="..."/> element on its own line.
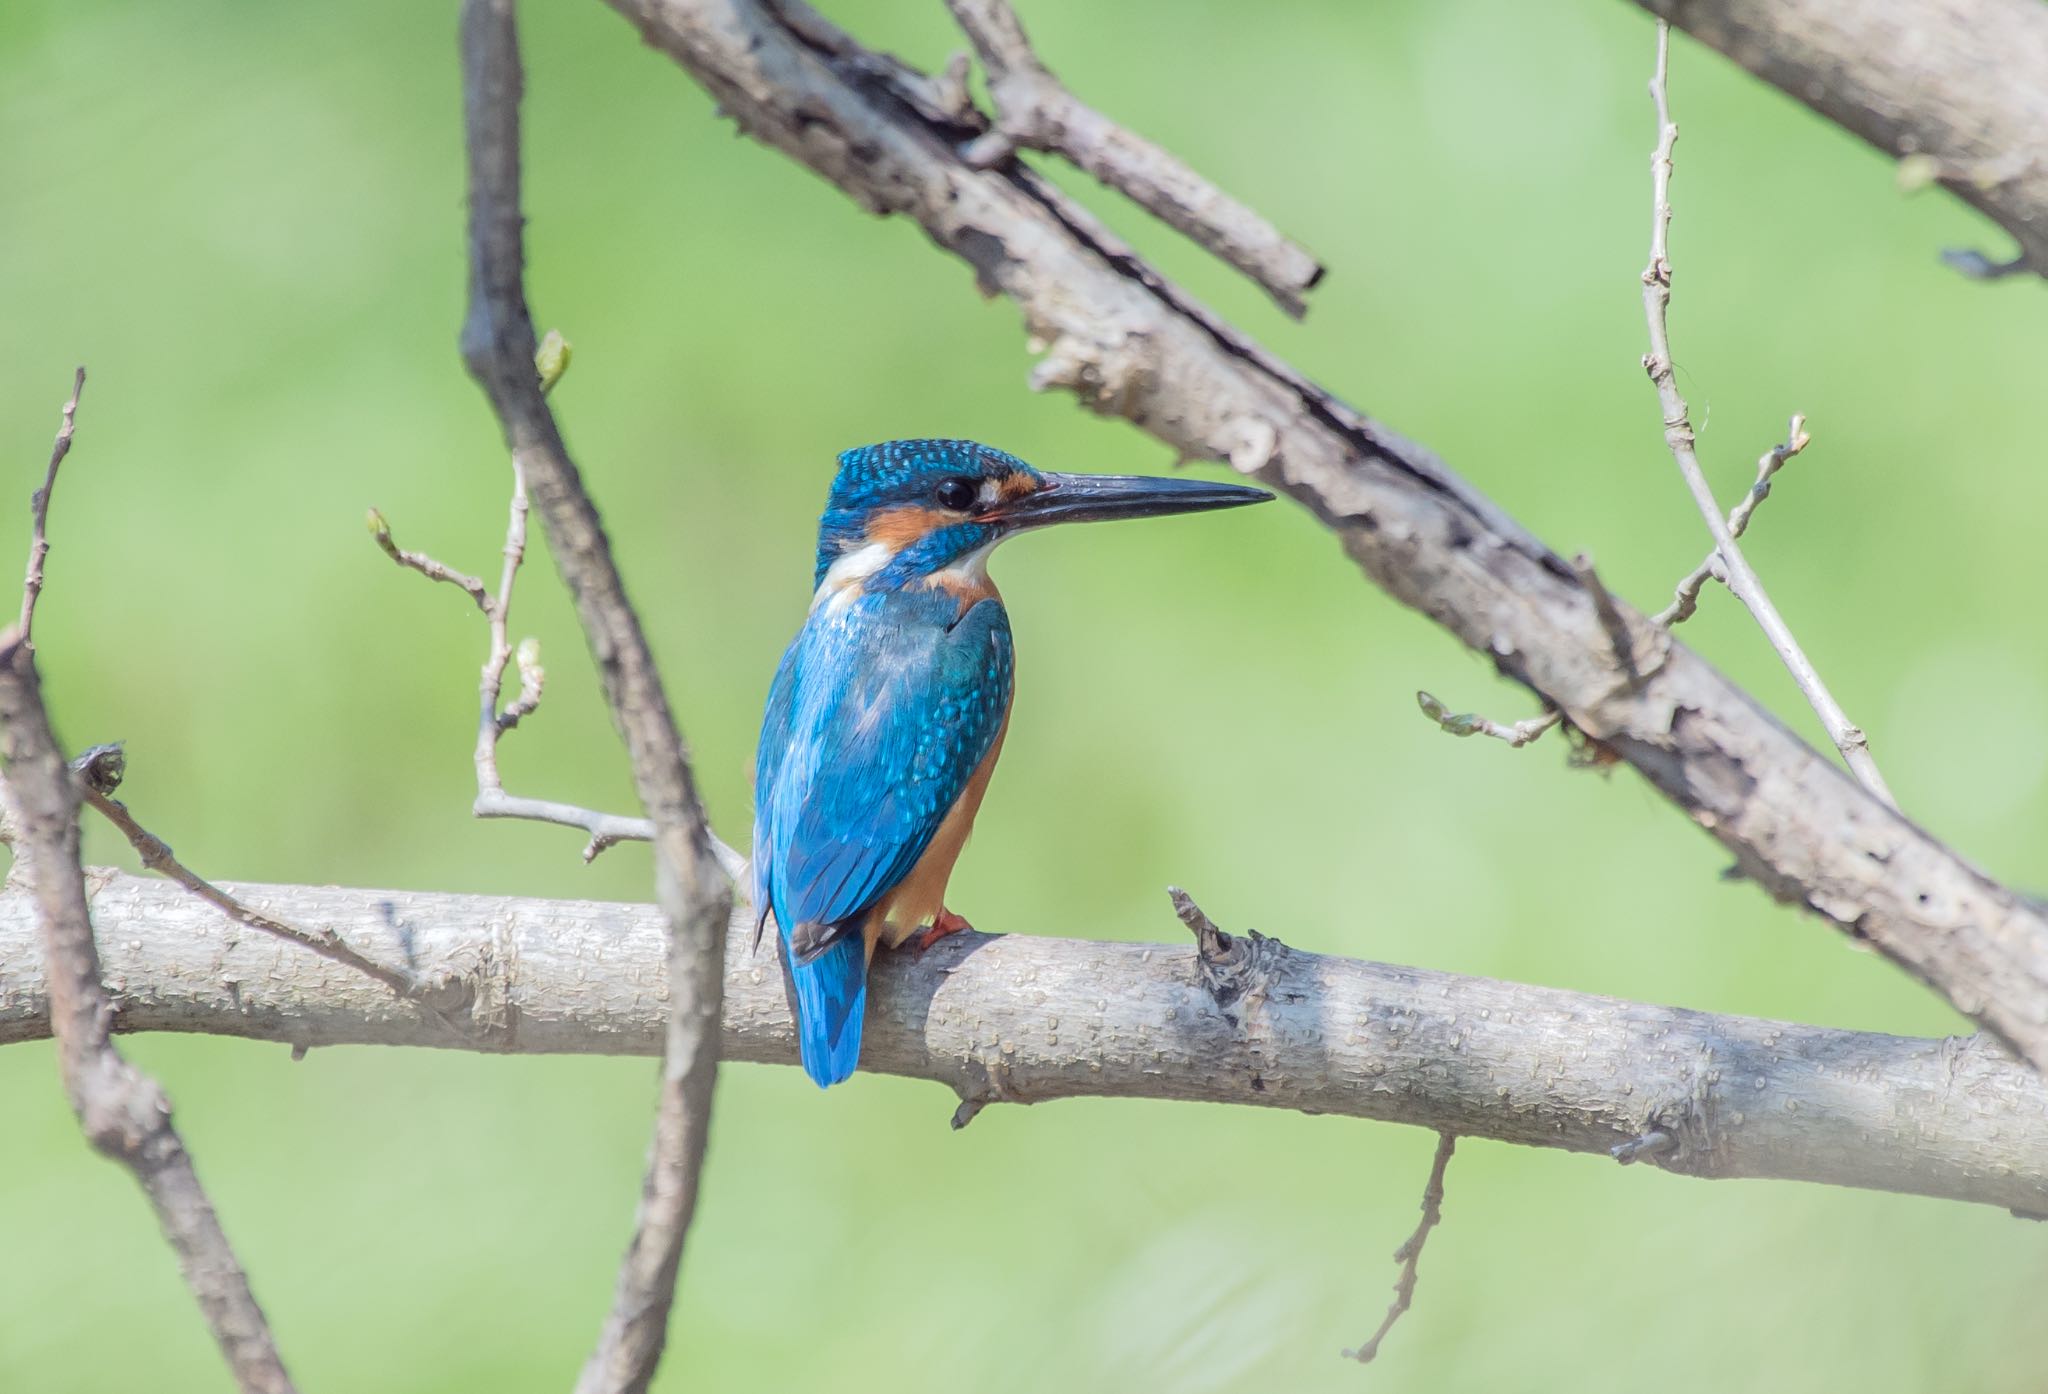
<point x="1130" y="344"/>
<point x="123" y="1112"/>
<point x="1959" y="89"/>
<point x="499" y="345"/>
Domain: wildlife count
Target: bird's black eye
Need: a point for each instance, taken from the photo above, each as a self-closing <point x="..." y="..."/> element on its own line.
<point x="956" y="493"/>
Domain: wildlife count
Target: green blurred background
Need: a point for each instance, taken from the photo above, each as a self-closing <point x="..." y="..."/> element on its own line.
<point x="246" y="220"/>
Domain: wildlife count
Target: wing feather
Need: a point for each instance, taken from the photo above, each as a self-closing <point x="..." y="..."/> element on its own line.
<point x="883" y="710"/>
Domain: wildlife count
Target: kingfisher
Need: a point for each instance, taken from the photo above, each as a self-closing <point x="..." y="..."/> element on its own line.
<point x="889" y="708"/>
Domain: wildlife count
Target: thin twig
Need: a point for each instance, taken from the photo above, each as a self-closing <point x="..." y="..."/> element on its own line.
<point x="99" y="772"/>
<point x="1678" y="435"/>
<point x="426" y="565"/>
<point x="1034" y="110"/>
<point x="39" y="513"/>
<point x="491" y="723"/>
<point x="492" y="801"/>
<point x="1950" y="91"/>
<point x="695" y="892"/>
<point x="1976" y="266"/>
<point x="1517" y="735"/>
<point x="122" y="1111"/>
<point x="1410" y="1252"/>
<point x="1687" y="597"/>
<point x="603" y="830"/>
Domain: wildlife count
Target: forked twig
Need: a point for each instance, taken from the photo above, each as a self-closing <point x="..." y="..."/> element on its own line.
<point x="1687" y="597"/>
<point x="1678" y="435"/>
<point x="122" y="1112"/>
<point x="99" y="772"/>
<point x="492" y="801"/>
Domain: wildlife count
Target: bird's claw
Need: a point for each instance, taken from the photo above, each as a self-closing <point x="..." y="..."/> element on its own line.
<point x="946" y="923"/>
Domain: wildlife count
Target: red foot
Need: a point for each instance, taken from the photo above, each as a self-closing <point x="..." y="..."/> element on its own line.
<point x="947" y="923"/>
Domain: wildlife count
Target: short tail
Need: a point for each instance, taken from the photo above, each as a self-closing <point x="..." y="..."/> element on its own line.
<point x="831" y="996"/>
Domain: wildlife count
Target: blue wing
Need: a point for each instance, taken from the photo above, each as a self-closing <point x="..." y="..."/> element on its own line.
<point x="886" y="706"/>
<point x="881" y="712"/>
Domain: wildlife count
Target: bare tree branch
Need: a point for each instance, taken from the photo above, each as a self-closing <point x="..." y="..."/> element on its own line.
<point x="695" y="894"/>
<point x="122" y="1111"/>
<point x="1131" y="344"/>
<point x="1961" y="89"/>
<point x="1030" y="1019"/>
<point x="100" y="771"/>
<point x="380" y="530"/>
<point x="39" y="513"/>
<point x="1687" y="597"/>
<point x="1742" y="579"/>
<point x="1409" y="1255"/>
<point x="1035" y="111"/>
<point x="492" y="801"/>
<point x="1516" y="735"/>
<point x="605" y="830"/>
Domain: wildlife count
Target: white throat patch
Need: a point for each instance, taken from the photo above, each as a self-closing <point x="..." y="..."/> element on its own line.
<point x="849" y="571"/>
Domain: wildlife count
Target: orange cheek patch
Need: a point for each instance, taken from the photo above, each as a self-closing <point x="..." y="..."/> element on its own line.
<point x="897" y="528"/>
<point x="1016" y="486"/>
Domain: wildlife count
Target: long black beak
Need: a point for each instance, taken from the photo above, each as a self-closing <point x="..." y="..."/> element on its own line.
<point x="1090" y="498"/>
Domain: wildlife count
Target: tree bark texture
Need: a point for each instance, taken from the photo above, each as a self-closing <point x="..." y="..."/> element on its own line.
<point x="1962" y="82"/>
<point x="1023" y="1019"/>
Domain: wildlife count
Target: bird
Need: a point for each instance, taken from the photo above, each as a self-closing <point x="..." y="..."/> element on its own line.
<point x="888" y="710"/>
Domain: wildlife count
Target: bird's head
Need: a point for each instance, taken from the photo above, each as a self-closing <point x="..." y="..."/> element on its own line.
<point x="909" y="510"/>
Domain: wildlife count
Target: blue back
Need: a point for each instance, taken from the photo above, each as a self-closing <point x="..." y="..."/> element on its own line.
<point x="884" y="706"/>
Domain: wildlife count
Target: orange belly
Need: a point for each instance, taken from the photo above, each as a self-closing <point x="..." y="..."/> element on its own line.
<point x="917" y="899"/>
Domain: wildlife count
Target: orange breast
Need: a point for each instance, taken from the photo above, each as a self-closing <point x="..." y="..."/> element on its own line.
<point x="917" y="899"/>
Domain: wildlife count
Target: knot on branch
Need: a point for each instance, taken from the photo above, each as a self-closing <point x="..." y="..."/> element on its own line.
<point x="1106" y="377"/>
<point x="102" y="768"/>
<point x="1680" y="1133"/>
<point x="987" y="1082"/>
<point x="1231" y="968"/>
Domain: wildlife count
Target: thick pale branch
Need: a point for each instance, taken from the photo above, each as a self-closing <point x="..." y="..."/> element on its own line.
<point x="1024" y="1019"/>
<point x="1130" y="344"/>
<point x="1961" y="86"/>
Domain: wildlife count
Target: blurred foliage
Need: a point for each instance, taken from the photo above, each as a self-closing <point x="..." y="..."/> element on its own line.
<point x="246" y="219"/>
